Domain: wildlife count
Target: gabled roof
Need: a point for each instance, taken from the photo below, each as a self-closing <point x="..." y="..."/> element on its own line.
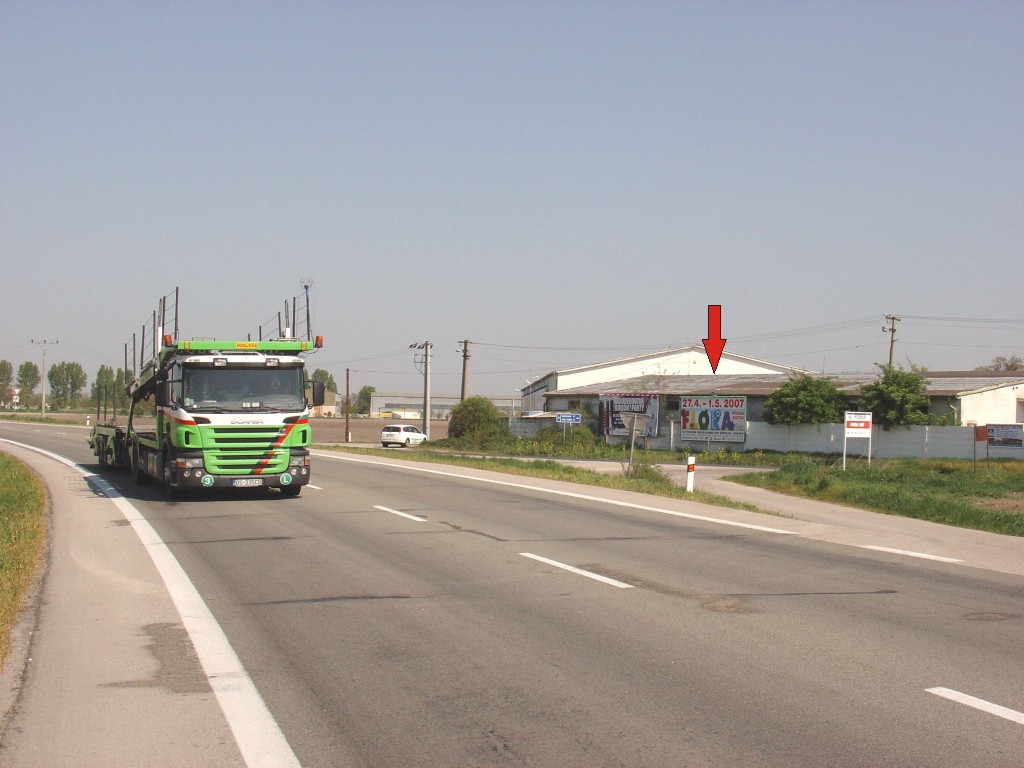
<point x="960" y="383"/>
<point x="653" y="356"/>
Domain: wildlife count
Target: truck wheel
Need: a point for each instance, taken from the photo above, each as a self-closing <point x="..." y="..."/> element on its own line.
<point x="170" y="491"/>
<point x="291" y="490"/>
<point x="141" y="478"/>
<point x="101" y="454"/>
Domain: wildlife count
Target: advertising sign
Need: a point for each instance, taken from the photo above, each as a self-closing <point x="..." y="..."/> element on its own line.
<point x="713" y="417"/>
<point x="858" y="424"/>
<point x="1006" y="435"/>
<point x="612" y="405"/>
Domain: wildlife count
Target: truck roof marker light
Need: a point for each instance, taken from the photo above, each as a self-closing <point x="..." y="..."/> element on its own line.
<point x="220" y="362"/>
<point x="318" y="342"/>
<point x="273" y="362"/>
<point x="167" y="340"/>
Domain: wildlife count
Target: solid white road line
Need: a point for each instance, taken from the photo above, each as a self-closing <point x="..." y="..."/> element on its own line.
<point x="570" y="494"/>
<point x="579" y="571"/>
<point x="908" y="553"/>
<point x="985" y="706"/>
<point x="257" y="734"/>
<point x="401" y="514"/>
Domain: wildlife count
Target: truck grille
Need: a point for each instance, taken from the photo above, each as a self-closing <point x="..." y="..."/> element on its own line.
<point x="245" y="450"/>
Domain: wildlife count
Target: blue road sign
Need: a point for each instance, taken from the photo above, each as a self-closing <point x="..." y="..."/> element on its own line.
<point x="568" y="418"/>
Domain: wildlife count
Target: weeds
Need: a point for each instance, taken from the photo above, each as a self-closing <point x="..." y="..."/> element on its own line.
<point x="941" y="490"/>
<point x="21" y="539"/>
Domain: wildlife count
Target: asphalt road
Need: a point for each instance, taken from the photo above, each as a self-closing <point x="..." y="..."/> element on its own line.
<point x="403" y="615"/>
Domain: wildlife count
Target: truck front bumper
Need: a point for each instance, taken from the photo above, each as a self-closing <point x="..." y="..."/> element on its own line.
<point x="199" y="478"/>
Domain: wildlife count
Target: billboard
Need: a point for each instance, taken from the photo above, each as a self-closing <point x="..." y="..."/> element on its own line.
<point x="713" y="418"/>
<point x="1006" y="435"/>
<point x="612" y="405"/>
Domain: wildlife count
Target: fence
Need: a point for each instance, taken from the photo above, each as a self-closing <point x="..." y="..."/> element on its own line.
<point x="912" y="442"/>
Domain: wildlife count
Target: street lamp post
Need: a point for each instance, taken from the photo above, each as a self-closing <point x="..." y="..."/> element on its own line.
<point x="425" y="346"/>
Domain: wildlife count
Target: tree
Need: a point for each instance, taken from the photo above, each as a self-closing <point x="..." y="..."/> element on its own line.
<point x="476" y="417"/>
<point x="6" y="378"/>
<point x="362" y="404"/>
<point x="104" y="387"/>
<point x="28" y="377"/>
<point x="1000" y="363"/>
<point x="805" y="399"/>
<point x="897" y="398"/>
<point x="66" y="383"/>
<point x="327" y="379"/>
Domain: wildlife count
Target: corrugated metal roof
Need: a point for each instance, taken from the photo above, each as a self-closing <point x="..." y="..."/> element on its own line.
<point x="939" y="384"/>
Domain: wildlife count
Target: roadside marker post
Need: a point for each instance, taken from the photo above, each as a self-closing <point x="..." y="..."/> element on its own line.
<point x="691" y="467"/>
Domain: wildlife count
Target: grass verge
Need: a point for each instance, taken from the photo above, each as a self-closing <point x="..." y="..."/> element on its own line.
<point x="645" y="478"/>
<point x="940" y="490"/>
<point x="22" y="533"/>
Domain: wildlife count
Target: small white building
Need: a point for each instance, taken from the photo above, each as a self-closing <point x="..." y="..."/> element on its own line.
<point x="966" y="397"/>
<point x="682" y="361"/>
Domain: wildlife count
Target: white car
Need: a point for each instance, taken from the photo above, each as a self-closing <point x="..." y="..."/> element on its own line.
<point x="401" y="434"/>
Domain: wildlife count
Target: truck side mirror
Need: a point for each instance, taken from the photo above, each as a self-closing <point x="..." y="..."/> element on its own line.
<point x="163" y="394"/>
<point x="319" y="393"/>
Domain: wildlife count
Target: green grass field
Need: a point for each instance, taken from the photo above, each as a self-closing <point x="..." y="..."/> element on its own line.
<point x="941" y="490"/>
<point x="22" y="534"/>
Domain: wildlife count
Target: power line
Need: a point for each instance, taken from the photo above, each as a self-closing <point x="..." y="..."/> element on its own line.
<point x="1016" y="320"/>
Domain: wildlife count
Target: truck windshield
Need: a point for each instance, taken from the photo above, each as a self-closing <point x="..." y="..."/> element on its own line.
<point x="243" y="389"/>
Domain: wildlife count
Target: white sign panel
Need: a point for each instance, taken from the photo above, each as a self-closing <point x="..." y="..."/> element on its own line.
<point x="858" y="424"/>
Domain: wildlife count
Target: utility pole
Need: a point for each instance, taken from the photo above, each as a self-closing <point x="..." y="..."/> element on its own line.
<point x="348" y="404"/>
<point x="42" y="345"/>
<point x="425" y="346"/>
<point x="891" y="330"/>
<point x="465" y="365"/>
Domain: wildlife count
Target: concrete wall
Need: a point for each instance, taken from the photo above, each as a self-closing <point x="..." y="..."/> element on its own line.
<point x="912" y="442"/>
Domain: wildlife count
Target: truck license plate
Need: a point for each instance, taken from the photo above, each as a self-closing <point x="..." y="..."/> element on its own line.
<point x="247" y="482"/>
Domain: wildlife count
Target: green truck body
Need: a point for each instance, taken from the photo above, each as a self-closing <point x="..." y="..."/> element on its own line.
<point x="217" y="414"/>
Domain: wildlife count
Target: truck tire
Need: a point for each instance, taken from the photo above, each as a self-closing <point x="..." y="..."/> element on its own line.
<point x="141" y="478"/>
<point x="101" y="453"/>
<point x="291" y="490"/>
<point x="170" y="491"/>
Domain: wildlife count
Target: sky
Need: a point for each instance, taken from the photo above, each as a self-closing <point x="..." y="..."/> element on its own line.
<point x="559" y="183"/>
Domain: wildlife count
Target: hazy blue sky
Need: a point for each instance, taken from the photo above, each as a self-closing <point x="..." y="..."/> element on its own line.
<point x="558" y="182"/>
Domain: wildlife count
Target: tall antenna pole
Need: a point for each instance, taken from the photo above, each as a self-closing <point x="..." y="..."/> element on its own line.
<point x="891" y="330"/>
<point x="307" y="283"/>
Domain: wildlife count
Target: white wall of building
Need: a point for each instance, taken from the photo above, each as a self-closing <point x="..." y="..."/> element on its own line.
<point x="993" y="406"/>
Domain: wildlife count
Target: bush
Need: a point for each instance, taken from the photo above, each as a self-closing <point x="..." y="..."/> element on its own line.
<point x="477" y="417"/>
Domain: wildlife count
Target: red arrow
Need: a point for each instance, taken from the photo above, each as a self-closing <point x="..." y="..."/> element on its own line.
<point x="714" y="344"/>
